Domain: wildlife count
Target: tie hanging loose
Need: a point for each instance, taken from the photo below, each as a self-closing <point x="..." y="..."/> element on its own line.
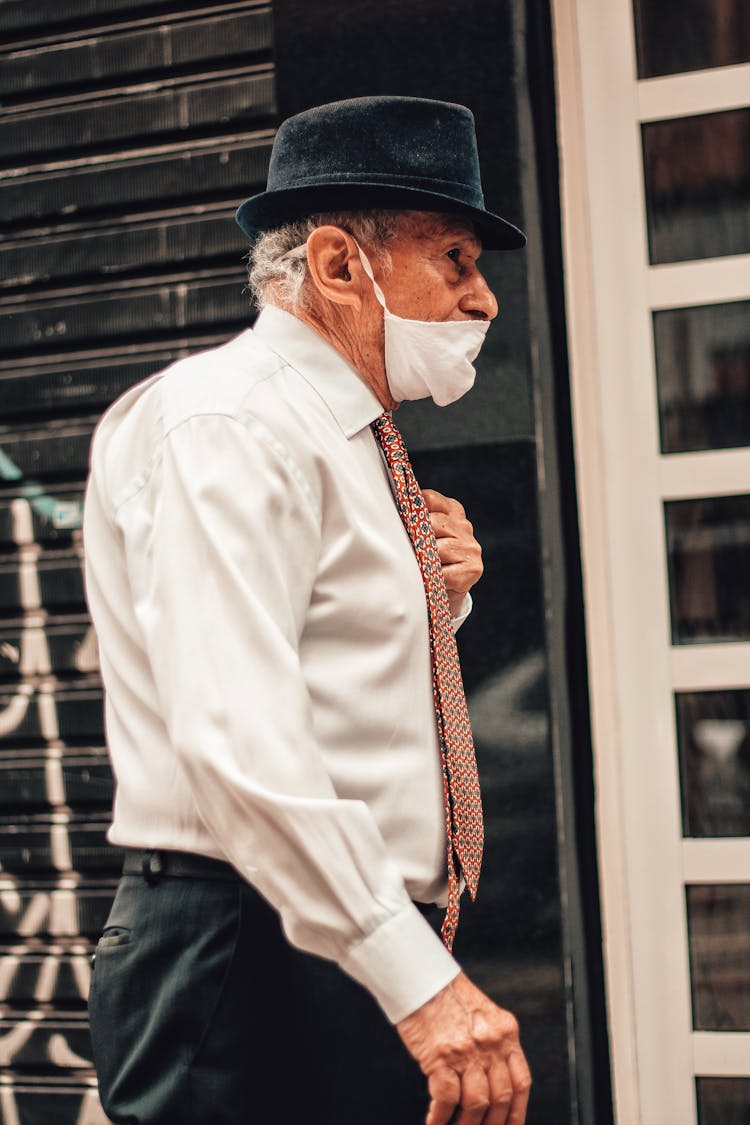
<point x="463" y="803"/>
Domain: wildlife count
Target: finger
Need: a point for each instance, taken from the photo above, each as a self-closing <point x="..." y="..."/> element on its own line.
<point x="454" y="525"/>
<point x="436" y="502"/>
<point x="454" y="551"/>
<point x="442" y="524"/>
<point x="445" y="1091"/>
<point x="475" y="1097"/>
<point x="521" y="1078"/>
<point x="460" y="577"/>
<point x="501" y="1094"/>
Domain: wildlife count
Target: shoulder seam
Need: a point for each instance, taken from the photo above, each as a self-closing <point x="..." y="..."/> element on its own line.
<point x="247" y="420"/>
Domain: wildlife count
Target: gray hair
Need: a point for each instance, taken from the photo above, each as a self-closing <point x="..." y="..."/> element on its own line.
<point x="275" y="276"/>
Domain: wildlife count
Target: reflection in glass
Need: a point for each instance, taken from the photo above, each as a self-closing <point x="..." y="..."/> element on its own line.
<point x="697" y="173"/>
<point x="679" y="35"/>
<point x="713" y="734"/>
<point x="723" y="1101"/>
<point x="510" y="939"/>
<point x="719" y="933"/>
<point x="703" y="376"/>
<point x="708" y="545"/>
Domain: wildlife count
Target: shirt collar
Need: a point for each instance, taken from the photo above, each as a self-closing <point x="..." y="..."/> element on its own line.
<point x="352" y="402"/>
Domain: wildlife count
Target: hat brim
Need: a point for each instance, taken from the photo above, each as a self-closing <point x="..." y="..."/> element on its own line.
<point x="271" y="209"/>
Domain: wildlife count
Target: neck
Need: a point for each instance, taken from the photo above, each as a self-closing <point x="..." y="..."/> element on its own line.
<point x="363" y="350"/>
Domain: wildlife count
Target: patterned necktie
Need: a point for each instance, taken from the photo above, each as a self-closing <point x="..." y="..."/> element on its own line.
<point x="463" y="803"/>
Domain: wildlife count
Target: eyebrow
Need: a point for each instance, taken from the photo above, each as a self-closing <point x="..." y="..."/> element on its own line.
<point x="458" y="233"/>
<point x="447" y="229"/>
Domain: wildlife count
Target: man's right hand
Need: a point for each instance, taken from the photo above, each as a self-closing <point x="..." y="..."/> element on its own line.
<point x="470" y="1052"/>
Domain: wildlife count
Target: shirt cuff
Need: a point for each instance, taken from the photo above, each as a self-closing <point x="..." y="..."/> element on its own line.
<point x="403" y="963"/>
<point x="463" y="612"/>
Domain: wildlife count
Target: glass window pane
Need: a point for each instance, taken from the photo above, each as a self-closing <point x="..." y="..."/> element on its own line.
<point x="708" y="545"/>
<point x="719" y="934"/>
<point x="713" y="735"/>
<point x="697" y="173"/>
<point x="723" y="1101"/>
<point x="703" y="376"/>
<point x="679" y="35"/>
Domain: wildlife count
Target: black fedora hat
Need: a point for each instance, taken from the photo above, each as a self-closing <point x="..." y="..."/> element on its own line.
<point x="409" y="154"/>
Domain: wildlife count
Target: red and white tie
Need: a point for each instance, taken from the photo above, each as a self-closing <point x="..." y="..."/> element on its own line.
<point x="463" y="802"/>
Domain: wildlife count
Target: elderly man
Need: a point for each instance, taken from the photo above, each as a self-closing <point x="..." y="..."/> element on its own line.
<point x="275" y="601"/>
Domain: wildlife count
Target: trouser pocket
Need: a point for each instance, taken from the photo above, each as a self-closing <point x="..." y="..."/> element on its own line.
<point x="159" y="968"/>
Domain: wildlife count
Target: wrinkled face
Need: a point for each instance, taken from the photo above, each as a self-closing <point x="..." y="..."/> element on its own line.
<point x="434" y="274"/>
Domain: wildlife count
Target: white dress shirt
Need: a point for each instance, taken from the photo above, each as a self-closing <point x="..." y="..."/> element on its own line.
<point x="264" y="648"/>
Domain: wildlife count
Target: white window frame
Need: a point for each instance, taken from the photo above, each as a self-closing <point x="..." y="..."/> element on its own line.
<point x="622" y="482"/>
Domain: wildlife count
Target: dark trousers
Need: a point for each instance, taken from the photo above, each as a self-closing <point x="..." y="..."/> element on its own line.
<point x="203" y="1014"/>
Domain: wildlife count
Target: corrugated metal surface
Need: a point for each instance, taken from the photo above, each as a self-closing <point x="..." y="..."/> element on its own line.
<point x="129" y="131"/>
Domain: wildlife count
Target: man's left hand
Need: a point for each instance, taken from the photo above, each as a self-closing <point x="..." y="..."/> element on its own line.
<point x="460" y="554"/>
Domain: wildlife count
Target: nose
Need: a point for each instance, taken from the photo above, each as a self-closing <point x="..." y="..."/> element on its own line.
<point x="478" y="300"/>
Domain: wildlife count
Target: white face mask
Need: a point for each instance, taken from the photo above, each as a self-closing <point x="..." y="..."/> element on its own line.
<point x="428" y="358"/>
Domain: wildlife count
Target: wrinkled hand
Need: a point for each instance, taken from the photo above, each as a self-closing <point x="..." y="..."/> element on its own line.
<point x="460" y="553"/>
<point x="469" y="1050"/>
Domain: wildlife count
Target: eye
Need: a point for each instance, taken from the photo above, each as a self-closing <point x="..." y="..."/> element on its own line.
<point x="454" y="254"/>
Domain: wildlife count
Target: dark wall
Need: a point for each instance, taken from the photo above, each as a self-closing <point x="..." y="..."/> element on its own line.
<point x="129" y="132"/>
<point x="434" y="49"/>
<point x="482" y="450"/>
<point x="425" y="48"/>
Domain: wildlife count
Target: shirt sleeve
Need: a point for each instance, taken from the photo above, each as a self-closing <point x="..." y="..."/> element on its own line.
<point x="222" y="544"/>
<point x="463" y="612"/>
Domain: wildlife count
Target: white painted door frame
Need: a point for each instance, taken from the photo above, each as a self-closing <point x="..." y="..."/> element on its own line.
<point x="623" y="480"/>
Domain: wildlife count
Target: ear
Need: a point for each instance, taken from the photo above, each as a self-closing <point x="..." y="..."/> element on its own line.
<point x="330" y="252"/>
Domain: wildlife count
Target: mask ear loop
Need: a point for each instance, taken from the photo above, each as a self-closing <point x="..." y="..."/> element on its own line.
<point x="368" y="270"/>
<point x="296" y="252"/>
<point x="301" y="252"/>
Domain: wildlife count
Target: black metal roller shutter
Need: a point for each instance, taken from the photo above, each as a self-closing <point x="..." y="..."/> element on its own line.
<point x="129" y="132"/>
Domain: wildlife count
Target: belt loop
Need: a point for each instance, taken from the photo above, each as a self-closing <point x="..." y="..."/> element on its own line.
<point x="151" y="867"/>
